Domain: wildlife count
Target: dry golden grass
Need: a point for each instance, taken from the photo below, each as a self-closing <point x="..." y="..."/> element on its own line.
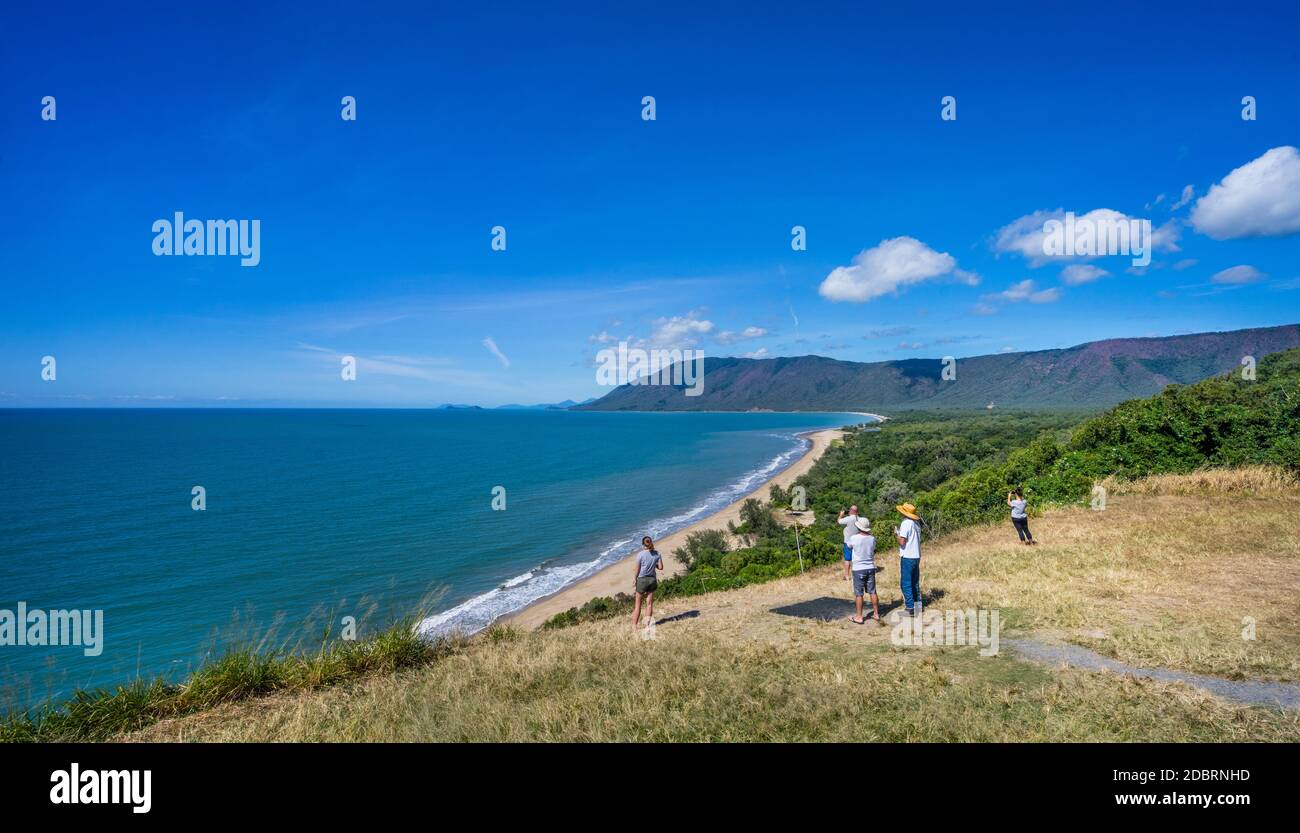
<point x="1170" y="575"/>
<point x="601" y="683"/>
<point x="1243" y="481"/>
<point x="1162" y="577"/>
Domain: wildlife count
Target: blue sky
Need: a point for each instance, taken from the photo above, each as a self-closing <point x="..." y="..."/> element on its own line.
<point x="375" y="233"/>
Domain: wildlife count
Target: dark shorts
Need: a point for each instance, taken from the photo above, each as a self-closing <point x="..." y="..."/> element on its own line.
<point x="647" y="584"/>
<point x="864" y="582"/>
<point x="848" y="553"/>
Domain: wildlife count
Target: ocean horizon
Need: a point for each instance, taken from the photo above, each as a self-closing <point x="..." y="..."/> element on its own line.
<point x="313" y="515"/>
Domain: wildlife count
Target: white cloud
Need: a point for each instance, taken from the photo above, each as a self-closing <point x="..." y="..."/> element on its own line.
<point x="889" y="267"/>
<point x="1185" y="263"/>
<point x="760" y="353"/>
<point x="1024" y="236"/>
<point x="1238" y="275"/>
<point x="729" y="337"/>
<point x="1079" y="273"/>
<point x="680" y="331"/>
<point x="1259" y="199"/>
<point x="602" y="337"/>
<point x="984" y="309"/>
<point x="496" y="351"/>
<point x="1027" y="291"/>
<point x="1188" y="193"/>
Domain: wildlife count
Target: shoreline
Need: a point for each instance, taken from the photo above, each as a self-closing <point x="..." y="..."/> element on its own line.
<point x="616" y="578"/>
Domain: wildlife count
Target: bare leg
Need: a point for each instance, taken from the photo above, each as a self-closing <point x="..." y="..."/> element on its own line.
<point x="875" y="608"/>
<point x="650" y="606"/>
<point x="636" y="611"/>
<point x="857" y="603"/>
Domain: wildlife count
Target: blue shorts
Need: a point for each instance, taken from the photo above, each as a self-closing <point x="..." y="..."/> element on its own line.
<point x="864" y="582"/>
<point x="848" y="553"/>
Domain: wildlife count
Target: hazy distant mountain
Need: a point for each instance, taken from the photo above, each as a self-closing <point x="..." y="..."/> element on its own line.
<point x="1097" y="374"/>
<point x="554" y="406"/>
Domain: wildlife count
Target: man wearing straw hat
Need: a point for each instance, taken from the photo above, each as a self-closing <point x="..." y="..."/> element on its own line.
<point x="909" y="562"/>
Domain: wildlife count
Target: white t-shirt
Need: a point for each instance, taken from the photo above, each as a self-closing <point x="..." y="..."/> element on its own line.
<point x="910" y="530"/>
<point x="1018" y="507"/>
<point x="850" y="530"/>
<point x="864" y="551"/>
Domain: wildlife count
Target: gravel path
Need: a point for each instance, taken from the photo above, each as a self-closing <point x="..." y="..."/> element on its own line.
<point x="1257" y="692"/>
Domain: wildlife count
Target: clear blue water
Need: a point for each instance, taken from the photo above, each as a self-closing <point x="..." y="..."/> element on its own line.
<point x="313" y="515"/>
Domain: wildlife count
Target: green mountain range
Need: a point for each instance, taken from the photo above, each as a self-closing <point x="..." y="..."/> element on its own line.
<point x="1094" y="375"/>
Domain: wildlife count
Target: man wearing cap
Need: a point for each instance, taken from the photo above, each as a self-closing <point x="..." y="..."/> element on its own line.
<point x="909" y="562"/>
<point x="863" y="544"/>
<point x="850" y="530"/>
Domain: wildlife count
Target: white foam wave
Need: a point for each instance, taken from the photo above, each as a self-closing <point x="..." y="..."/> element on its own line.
<point x="476" y="613"/>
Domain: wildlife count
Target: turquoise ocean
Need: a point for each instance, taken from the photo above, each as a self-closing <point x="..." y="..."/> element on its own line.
<point x="314" y="515"/>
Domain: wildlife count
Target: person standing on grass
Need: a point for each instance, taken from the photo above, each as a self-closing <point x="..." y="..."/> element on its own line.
<point x="909" y="561"/>
<point x="864" y="570"/>
<point x="850" y="530"/>
<point x="1019" y="517"/>
<point x="646" y="581"/>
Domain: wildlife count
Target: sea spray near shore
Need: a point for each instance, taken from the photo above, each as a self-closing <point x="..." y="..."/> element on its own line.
<point x="472" y="615"/>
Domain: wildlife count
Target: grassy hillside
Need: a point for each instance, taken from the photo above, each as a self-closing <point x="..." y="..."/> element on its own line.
<point x="736" y="666"/>
<point x="1090" y="376"/>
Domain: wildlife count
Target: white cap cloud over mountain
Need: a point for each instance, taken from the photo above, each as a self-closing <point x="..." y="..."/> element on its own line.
<point x="1259" y="199"/>
<point x="679" y="331"/>
<point x="888" y="268"/>
<point x="1025" y="236"/>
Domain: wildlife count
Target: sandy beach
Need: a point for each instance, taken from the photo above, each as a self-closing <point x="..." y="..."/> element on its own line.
<point x="617" y="578"/>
